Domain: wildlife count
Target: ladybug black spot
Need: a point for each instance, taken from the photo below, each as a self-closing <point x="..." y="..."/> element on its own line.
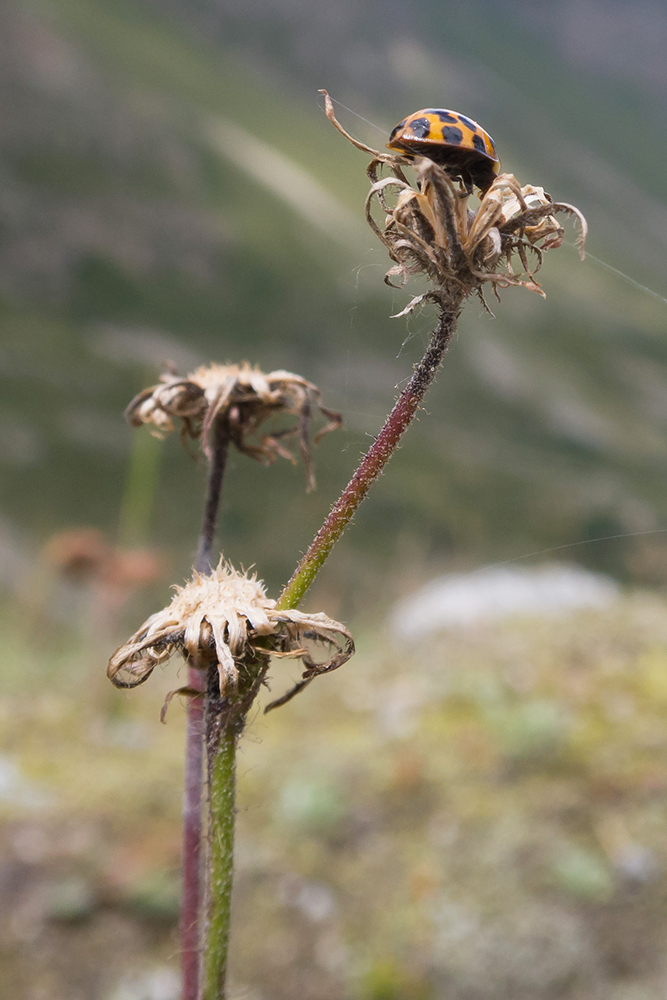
<point x="469" y="122"/>
<point x="478" y="143"/>
<point x="444" y="116"/>
<point x="421" y="128"/>
<point x="397" y="130"/>
<point x="452" y="135"/>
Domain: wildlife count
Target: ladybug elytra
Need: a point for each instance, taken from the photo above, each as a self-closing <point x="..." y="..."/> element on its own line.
<point x="456" y="143"/>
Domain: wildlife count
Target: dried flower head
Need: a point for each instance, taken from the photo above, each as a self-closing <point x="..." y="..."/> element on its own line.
<point x="227" y="615"/>
<point x="429" y="229"/>
<point x="242" y="395"/>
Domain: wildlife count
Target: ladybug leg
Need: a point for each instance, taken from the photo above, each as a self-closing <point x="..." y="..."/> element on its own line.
<point x="466" y="180"/>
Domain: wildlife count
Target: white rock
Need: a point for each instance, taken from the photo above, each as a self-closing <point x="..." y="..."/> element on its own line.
<point x="461" y="599"/>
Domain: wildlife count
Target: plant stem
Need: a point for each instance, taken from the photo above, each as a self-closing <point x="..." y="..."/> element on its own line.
<point x="216" y="472"/>
<point x="222" y="793"/>
<point x="192" y="836"/>
<point x="194" y="743"/>
<point x="375" y="460"/>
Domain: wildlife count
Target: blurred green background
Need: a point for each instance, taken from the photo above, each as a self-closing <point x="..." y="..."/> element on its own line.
<point x="170" y="190"/>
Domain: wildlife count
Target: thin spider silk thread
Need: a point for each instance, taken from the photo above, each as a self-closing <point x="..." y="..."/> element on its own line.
<point x="567" y="545"/>
<point x="621" y="274"/>
<point x="372" y="124"/>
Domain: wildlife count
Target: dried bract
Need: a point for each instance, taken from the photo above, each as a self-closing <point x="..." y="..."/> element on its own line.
<point x="428" y="228"/>
<point x="227" y="615"/>
<point x="246" y="398"/>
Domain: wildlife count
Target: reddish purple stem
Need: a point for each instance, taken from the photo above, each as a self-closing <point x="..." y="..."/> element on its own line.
<point x="192" y="838"/>
<point x="373" y="463"/>
<point x="194" y="743"/>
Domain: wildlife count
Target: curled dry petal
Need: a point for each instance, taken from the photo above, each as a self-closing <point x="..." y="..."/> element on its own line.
<point x="227" y="615"/>
<point x="299" y="625"/>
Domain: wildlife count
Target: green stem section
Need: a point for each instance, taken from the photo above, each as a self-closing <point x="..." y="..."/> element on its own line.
<point x="222" y="796"/>
<point x="374" y="462"/>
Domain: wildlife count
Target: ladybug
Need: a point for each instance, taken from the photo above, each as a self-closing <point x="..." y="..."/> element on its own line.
<point x="456" y="143"/>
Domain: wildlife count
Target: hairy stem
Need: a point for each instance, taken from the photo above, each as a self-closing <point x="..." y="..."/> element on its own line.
<point x="374" y="462"/>
<point x="194" y="743"/>
<point x="220" y="862"/>
<point x="192" y="836"/>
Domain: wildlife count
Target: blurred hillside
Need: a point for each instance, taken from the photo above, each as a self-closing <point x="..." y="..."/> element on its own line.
<point x="172" y="191"/>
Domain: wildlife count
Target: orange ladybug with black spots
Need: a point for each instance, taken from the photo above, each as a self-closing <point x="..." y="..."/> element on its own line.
<point x="456" y="143"/>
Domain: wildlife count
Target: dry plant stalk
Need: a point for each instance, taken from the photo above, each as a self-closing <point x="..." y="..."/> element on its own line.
<point x="246" y="398"/>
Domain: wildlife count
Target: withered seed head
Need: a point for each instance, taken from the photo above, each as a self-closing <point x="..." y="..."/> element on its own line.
<point x="429" y="229"/>
<point x="227" y="615"/>
<point x="243" y="395"/>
